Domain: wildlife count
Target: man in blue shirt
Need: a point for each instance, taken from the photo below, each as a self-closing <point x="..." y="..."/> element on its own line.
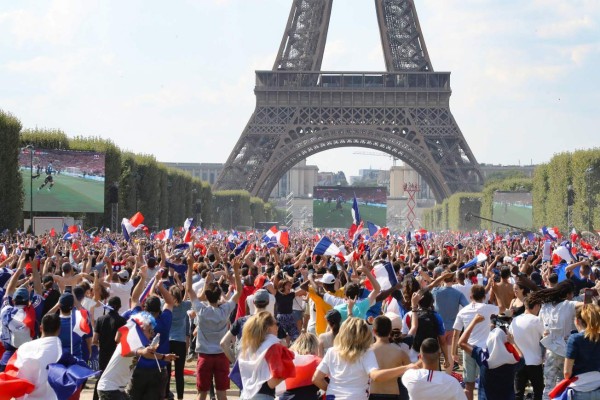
<point x="447" y="304"/>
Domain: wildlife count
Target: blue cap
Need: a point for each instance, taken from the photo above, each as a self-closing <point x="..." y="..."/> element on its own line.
<point x="21" y="296"/>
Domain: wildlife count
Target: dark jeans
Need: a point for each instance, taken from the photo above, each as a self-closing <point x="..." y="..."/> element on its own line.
<point x="533" y="374"/>
<point x="178" y="348"/>
<point x="148" y="384"/>
<point x="112" y="395"/>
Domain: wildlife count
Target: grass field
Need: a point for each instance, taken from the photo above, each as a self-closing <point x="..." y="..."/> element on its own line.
<point x="69" y="194"/>
<point x="518" y="216"/>
<point x="325" y="215"/>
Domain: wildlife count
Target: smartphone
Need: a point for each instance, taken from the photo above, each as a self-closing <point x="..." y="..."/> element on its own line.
<point x="588" y="295"/>
<point x="68" y="289"/>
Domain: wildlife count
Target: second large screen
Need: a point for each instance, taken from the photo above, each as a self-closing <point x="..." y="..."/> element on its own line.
<point x="63" y="180"/>
<point x="513" y="208"/>
<point x="332" y="204"/>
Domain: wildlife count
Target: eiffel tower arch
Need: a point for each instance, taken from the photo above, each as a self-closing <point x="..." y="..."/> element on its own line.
<point x="301" y="110"/>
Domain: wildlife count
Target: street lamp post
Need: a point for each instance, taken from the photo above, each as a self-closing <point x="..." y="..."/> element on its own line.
<point x="231" y="214"/>
<point x="588" y="173"/>
<point x="31" y="149"/>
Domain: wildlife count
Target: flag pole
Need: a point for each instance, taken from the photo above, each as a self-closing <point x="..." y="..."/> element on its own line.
<point x="71" y="324"/>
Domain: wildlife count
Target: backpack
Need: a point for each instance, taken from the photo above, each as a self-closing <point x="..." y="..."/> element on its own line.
<point x="428" y="328"/>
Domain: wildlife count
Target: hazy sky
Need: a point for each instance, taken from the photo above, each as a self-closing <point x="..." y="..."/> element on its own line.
<point x="175" y="79"/>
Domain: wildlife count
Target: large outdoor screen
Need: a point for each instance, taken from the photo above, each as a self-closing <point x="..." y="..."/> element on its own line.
<point x="332" y="205"/>
<point x="513" y="208"/>
<point x="63" y="180"/>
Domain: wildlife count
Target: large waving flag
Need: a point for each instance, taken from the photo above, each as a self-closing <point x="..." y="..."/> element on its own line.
<point x="564" y="252"/>
<point x="479" y="258"/>
<point x="187" y="226"/>
<point x="13" y="387"/>
<point x="240" y="248"/>
<point x="356" y="221"/>
<point x="68" y="375"/>
<point x="131" y="225"/>
<point x="274" y="237"/>
<point x="132" y="337"/>
<point x="375" y="230"/>
<point x="550" y="233"/>
<point x="326" y="248"/>
<point x="81" y="322"/>
<point x="385" y="275"/>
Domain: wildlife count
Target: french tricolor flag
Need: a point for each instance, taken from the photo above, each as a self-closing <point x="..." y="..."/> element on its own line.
<point x="479" y="258"/>
<point x="550" y="233"/>
<point x="81" y="322"/>
<point x="385" y="275"/>
<point x="187" y="226"/>
<point x="375" y="230"/>
<point x="131" y="225"/>
<point x="275" y="236"/>
<point x="326" y="248"/>
<point x="356" y="221"/>
<point x="132" y="336"/>
<point x="166" y="234"/>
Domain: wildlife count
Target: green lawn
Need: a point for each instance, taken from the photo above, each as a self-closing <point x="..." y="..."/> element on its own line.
<point x="521" y="217"/>
<point x="69" y="194"/>
<point x="325" y="215"/>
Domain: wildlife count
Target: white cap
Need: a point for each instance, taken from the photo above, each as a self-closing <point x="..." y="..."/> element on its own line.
<point x="327" y="279"/>
<point x="124" y="274"/>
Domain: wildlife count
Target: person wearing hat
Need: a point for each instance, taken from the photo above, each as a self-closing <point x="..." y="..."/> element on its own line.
<point x="119" y="284"/>
<point x="317" y="303"/>
<point x="262" y="300"/>
<point x="71" y="341"/>
<point x="261" y="282"/>
<point x="21" y="311"/>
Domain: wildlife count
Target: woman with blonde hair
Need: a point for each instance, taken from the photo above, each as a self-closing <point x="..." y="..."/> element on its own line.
<point x="583" y="353"/>
<point x="263" y="362"/>
<point x="306" y="361"/>
<point x="350" y="363"/>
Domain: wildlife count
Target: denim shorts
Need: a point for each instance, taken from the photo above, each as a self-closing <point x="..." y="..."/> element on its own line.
<point x="471" y="368"/>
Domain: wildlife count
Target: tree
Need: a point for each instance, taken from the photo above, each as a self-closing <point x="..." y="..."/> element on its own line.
<point x="11" y="181"/>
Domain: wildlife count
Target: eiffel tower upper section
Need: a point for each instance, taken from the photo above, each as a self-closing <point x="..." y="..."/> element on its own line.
<point x="301" y="111"/>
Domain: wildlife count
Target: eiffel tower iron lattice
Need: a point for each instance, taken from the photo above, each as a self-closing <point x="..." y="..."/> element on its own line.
<point x="301" y="111"/>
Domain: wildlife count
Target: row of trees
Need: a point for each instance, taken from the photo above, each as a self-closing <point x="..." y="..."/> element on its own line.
<point x="164" y="195"/>
<point x="568" y="179"/>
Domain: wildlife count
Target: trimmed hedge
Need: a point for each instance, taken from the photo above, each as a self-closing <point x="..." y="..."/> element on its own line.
<point x="232" y="208"/>
<point x="11" y="182"/>
<point x="459" y="204"/>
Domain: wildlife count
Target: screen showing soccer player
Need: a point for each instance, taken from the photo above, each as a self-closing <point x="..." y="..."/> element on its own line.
<point x="63" y="180"/>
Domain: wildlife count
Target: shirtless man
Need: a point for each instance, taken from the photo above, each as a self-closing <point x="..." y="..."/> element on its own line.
<point x="68" y="277"/>
<point x="503" y="292"/>
<point x="388" y="355"/>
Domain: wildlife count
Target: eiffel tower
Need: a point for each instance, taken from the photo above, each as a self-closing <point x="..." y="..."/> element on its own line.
<point x="301" y="110"/>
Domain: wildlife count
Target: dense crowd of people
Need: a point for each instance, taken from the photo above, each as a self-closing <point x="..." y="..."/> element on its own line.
<point x="447" y="316"/>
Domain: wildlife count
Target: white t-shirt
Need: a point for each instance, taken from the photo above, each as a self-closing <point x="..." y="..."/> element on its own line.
<point x="122" y="291"/>
<point x="464" y="289"/>
<point x="117" y="373"/>
<point x="32" y="359"/>
<point x="527" y="329"/>
<point x="482" y="330"/>
<point x="423" y="384"/>
<point x="559" y="319"/>
<point x="198" y="286"/>
<point x="348" y="381"/>
<point x="252" y="308"/>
